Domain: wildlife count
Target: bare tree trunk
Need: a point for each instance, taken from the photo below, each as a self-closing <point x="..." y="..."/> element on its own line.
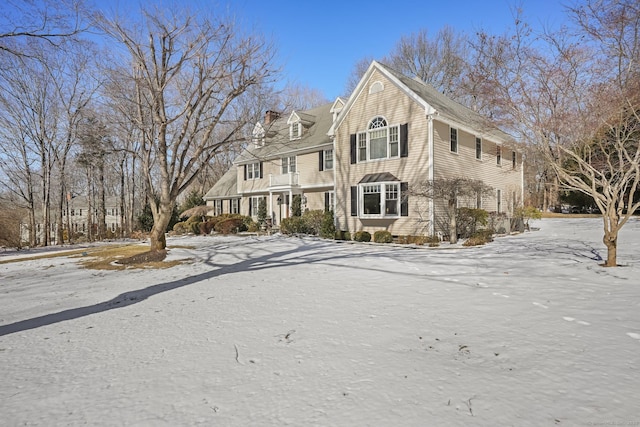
<point x="610" y="238"/>
<point x="453" y="226"/>
<point x="102" y="210"/>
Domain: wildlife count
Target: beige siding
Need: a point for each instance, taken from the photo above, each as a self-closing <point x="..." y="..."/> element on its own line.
<point x="464" y="163"/>
<point x="396" y="108"/>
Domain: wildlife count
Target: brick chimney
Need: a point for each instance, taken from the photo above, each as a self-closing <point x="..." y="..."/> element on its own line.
<point x="270" y="116"/>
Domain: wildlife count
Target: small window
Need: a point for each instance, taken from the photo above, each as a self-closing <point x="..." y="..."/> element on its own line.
<point x="498" y="155"/>
<point x="362" y="147"/>
<point x="453" y="140"/>
<point x="513" y="159"/>
<point x="478" y="200"/>
<point x="295" y="131"/>
<point x="235" y="206"/>
<point x="253" y="170"/>
<point x="499" y="201"/>
<point x="328" y="159"/>
<point x="217" y="207"/>
<point x="376" y="87"/>
<point x="478" y="148"/>
<point x="288" y="165"/>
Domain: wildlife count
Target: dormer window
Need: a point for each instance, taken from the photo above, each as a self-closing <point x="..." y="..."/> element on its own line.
<point x="295" y="130"/>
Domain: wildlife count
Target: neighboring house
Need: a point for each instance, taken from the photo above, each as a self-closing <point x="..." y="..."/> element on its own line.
<point x="76" y="214"/>
<point x="361" y="157"/>
<point x="79" y="219"/>
<point x="288" y="156"/>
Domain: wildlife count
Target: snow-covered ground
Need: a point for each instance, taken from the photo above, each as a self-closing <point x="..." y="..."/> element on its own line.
<point x="273" y="331"/>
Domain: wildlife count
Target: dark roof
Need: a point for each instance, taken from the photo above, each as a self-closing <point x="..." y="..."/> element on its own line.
<point x="278" y="142"/>
<point x="378" y="177"/>
<point x="449" y="108"/>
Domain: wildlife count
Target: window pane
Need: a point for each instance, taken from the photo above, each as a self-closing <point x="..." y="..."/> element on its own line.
<point x="285" y="165"/>
<point x="454" y="140"/>
<point x="391" y="201"/>
<point x="292" y="164"/>
<point x="393" y="141"/>
<point x="328" y="159"/>
<point x="362" y="147"/>
<point x="371" y="195"/>
<point x="378" y="144"/>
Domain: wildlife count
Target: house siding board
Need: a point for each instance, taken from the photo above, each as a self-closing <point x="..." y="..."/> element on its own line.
<point x="464" y="163"/>
<point x="398" y="109"/>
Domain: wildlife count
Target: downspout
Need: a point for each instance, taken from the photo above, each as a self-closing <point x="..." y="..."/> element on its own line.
<point x="430" y="172"/>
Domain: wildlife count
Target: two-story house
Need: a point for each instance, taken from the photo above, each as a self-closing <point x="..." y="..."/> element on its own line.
<point x="361" y="157"/>
<point x="288" y="156"/>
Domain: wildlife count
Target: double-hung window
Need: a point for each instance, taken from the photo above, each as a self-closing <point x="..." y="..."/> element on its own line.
<point x="478" y="148"/>
<point x="234" y="206"/>
<point x="498" y="155"/>
<point x="328" y="159"/>
<point x="453" y="140"/>
<point x="513" y="159"/>
<point x="380" y="199"/>
<point x="253" y="170"/>
<point x="217" y="207"/>
<point x="288" y="164"/>
<point x="295" y="131"/>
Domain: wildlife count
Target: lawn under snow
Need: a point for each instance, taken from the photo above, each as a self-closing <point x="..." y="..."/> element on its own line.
<point x="274" y="331"/>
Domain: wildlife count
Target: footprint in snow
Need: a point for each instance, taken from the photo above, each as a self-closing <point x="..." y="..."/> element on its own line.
<point x="634" y="335"/>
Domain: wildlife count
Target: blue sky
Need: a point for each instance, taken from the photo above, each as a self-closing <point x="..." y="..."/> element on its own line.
<point x="320" y="41"/>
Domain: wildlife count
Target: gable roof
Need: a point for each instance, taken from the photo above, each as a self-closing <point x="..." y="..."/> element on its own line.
<point x="317" y="122"/>
<point x="433" y="102"/>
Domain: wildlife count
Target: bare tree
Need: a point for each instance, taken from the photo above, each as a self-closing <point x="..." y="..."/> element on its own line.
<point x="440" y="61"/>
<point x="574" y="95"/>
<point x="449" y="192"/>
<point x="28" y="21"/>
<point x="191" y="74"/>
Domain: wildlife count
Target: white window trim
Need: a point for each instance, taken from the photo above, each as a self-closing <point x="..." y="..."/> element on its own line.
<point x="295" y="130"/>
<point x="286" y="162"/>
<point x="328" y="155"/>
<point x="235" y="206"/>
<point x="383" y="199"/>
<point x="367" y="136"/>
<point x="478" y="139"/>
<point x="451" y="130"/>
<point x="253" y="171"/>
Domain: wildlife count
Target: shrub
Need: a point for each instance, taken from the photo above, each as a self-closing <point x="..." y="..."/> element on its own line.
<point x="313" y="221"/>
<point x="342" y="235"/>
<point x="207" y="226"/>
<point x="468" y="220"/>
<point x="180" y="227"/>
<point x="229" y="225"/>
<point x="527" y="213"/>
<point x="382" y="236"/>
<point x="433" y="241"/>
<point x="362" y="236"/>
<point x="480" y="237"/>
<point x="294" y="225"/>
<point x="328" y="227"/>
<point x="296" y="205"/>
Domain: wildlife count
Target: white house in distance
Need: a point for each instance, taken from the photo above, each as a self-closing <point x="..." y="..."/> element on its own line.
<point x="76" y="214"/>
<point x="359" y="157"/>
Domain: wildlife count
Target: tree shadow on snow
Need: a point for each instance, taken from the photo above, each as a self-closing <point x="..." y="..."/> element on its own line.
<point x="267" y="261"/>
